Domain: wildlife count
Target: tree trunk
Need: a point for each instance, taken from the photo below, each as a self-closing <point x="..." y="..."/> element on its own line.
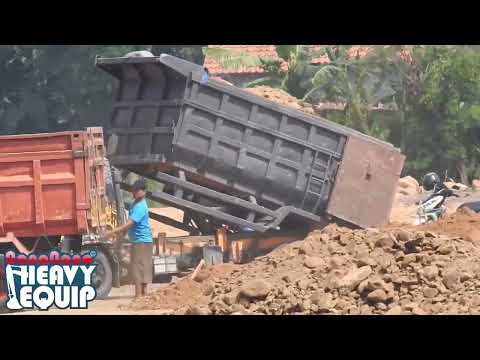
<point x="354" y="112"/>
<point x="462" y="171"/>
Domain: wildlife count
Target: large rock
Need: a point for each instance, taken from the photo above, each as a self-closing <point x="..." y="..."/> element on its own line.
<point x="430" y="293"/>
<point x="446" y="249"/>
<point x="403" y="236"/>
<point x="430" y="272"/>
<point x="377" y="296"/>
<point x="385" y="241"/>
<point x="208" y="290"/>
<point x="306" y="248"/>
<point x="408" y="259"/>
<point x="451" y="279"/>
<point x="337" y="262"/>
<point x="313" y="262"/>
<point x="255" y="289"/>
<point x="354" y="277"/>
<point x="408" y="181"/>
<point x="323" y="301"/>
<point x="395" y="310"/>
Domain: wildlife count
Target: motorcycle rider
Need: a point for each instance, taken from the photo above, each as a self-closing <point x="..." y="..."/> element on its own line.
<point x="431" y="181"/>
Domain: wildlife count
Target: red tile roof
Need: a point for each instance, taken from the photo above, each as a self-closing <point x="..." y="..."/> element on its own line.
<point x="268" y="51"/>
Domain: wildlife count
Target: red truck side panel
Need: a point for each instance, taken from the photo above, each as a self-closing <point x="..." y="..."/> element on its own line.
<point x="43" y="187"/>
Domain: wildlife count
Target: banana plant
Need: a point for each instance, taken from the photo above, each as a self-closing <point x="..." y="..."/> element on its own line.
<point x="359" y="82"/>
<point x="291" y="71"/>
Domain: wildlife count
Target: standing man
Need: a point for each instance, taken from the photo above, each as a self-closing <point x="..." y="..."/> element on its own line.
<point x="140" y="235"/>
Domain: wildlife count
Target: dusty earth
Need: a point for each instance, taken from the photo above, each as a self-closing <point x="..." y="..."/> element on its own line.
<point x="113" y="305"/>
<point x="432" y="269"/>
<point x="400" y="269"/>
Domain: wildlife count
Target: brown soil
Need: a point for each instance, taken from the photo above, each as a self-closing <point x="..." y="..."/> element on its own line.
<point x="458" y="224"/>
<point x="281" y="97"/>
<point x="184" y="292"/>
<point x="432" y="269"/>
<point x="170" y="231"/>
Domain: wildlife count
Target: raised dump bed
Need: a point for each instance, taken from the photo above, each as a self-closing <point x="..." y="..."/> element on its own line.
<point x="236" y="158"/>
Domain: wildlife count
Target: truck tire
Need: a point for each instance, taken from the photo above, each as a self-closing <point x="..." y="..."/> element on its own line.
<point x="103" y="275"/>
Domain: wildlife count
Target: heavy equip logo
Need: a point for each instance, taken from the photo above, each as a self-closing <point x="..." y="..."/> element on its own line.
<point x="53" y="279"/>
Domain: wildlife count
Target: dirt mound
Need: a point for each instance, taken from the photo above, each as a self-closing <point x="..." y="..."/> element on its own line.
<point x="432" y="269"/>
<point x="282" y="97"/>
<point x="184" y="293"/>
<point x="459" y="224"/>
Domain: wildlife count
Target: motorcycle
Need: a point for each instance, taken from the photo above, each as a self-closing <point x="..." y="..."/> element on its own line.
<point x="433" y="208"/>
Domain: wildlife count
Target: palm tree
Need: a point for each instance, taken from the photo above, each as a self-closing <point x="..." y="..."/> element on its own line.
<point x="359" y="82"/>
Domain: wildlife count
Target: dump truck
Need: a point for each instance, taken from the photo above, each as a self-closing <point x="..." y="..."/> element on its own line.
<point x="248" y="173"/>
<point x="56" y="192"/>
<point x="232" y="160"/>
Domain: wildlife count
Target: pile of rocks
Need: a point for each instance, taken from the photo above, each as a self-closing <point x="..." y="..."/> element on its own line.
<point x="340" y="271"/>
<point x="431" y="269"/>
<point x="408" y="186"/>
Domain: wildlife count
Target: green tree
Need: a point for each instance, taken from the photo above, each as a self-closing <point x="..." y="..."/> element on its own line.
<point x="291" y="71"/>
<point x="359" y="82"/>
<point x="445" y="111"/>
<point x="54" y="87"/>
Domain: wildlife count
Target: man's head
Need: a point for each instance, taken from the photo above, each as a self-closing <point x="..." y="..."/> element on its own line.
<point x="138" y="189"/>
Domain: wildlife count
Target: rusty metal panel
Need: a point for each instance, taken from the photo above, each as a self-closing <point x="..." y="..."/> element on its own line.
<point x="44" y="187"/>
<point x="365" y="184"/>
<point x="95" y="178"/>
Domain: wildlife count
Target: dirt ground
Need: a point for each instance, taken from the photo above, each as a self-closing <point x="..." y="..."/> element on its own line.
<point x="382" y="272"/>
<point x="114" y="305"/>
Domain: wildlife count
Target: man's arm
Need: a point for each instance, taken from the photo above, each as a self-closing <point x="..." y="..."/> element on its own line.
<point x="10" y="238"/>
<point x="121" y="229"/>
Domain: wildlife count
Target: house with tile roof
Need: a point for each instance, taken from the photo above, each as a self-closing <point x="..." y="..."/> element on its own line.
<point x="239" y="77"/>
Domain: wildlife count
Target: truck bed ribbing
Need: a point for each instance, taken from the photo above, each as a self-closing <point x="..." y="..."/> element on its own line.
<point x="261" y="163"/>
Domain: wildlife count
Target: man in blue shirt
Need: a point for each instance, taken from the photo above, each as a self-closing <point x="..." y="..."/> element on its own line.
<point x="205" y="76"/>
<point x="140" y="235"/>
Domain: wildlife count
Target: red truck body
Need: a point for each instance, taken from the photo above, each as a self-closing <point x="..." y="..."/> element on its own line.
<point x="52" y="184"/>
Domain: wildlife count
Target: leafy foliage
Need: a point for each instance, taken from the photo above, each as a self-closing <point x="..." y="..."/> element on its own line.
<point x="447" y="112"/>
<point x="54" y="87"/>
<point x="291" y="71"/>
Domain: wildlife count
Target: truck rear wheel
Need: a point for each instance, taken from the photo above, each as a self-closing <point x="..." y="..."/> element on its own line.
<point x="102" y="276"/>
